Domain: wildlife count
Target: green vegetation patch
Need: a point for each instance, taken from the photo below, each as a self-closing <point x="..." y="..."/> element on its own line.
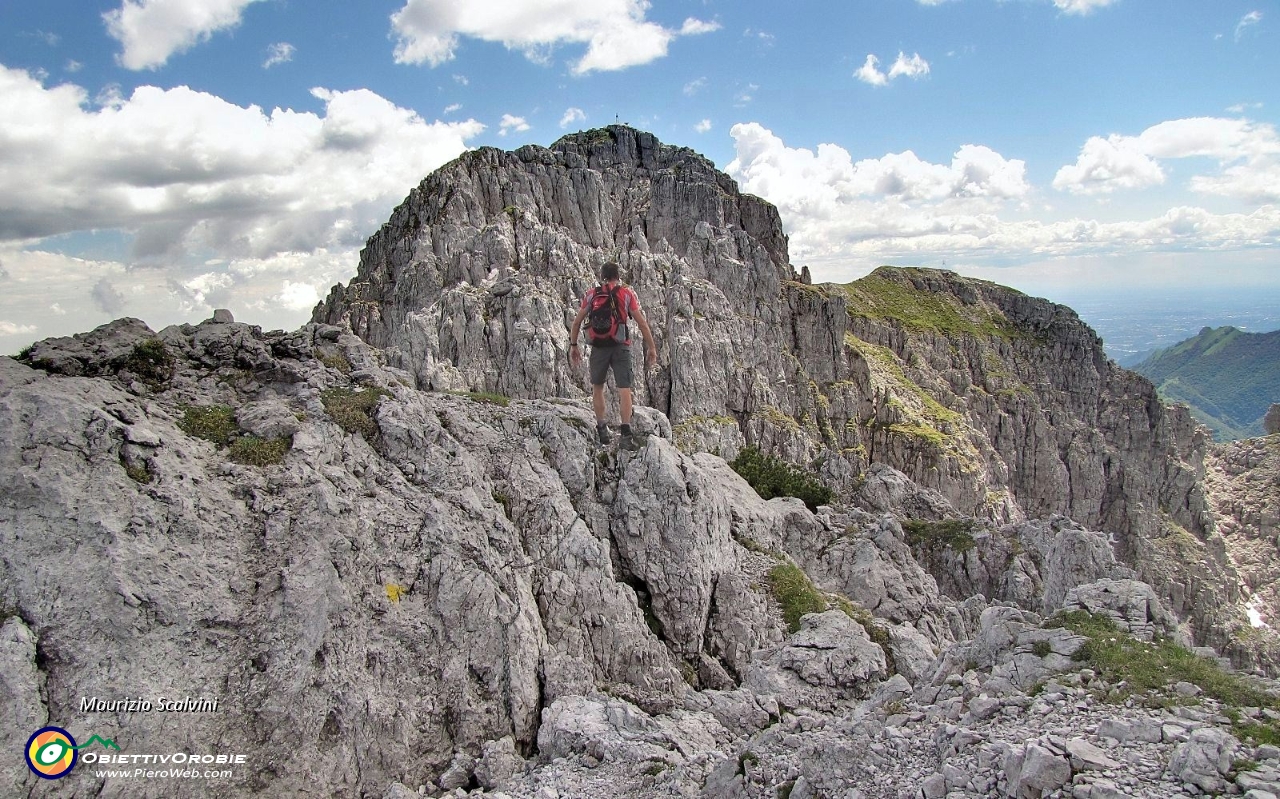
<point x="485" y="397"/>
<point x="953" y="534"/>
<point x="488" y="398"/>
<point x="795" y="593"/>
<point x="688" y="434"/>
<point x="335" y="360"/>
<point x="254" y="451"/>
<point x="353" y="410"/>
<point x="138" y="472"/>
<point x="886" y="294"/>
<point x="771" y="477"/>
<point x="878" y="634"/>
<point x="921" y="432"/>
<point x="885" y="365"/>
<point x="216" y="423"/>
<point x="921" y="418"/>
<point x="151" y="361"/>
<point x="1146" y="667"/>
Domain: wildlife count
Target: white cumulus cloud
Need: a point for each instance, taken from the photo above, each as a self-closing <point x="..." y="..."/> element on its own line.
<point x="1066" y="6"/>
<point x="694" y="27"/>
<point x="912" y="66"/>
<point x="183" y="178"/>
<point x="870" y="73"/>
<point x="572" y="115"/>
<point x="153" y="30"/>
<point x="107" y="297"/>
<point x="189" y="171"/>
<point x="11" y="329"/>
<point x="1248" y="20"/>
<point x="297" y="296"/>
<point x="1247" y="154"/>
<point x="512" y="123"/>
<point x="843" y="214"/>
<point x="1104" y="165"/>
<point x="275" y="292"/>
<point x="615" y="32"/>
<point x="1081" y="6"/>
<point x="279" y="53"/>
<point x="703" y="126"/>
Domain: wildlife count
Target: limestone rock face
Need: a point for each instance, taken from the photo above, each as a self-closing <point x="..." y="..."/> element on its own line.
<point x="1204" y="759"/>
<point x="1243" y="478"/>
<point x="473" y="281"/>
<point x="21" y="685"/>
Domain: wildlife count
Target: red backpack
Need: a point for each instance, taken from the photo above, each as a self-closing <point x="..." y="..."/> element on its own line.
<point x="605" y="315"/>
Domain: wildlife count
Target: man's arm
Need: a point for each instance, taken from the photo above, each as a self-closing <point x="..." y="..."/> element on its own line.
<point x="576" y="327"/>
<point x="575" y="355"/>
<point x="650" y="343"/>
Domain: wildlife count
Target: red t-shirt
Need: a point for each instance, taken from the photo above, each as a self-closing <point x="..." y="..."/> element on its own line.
<point x="628" y="304"/>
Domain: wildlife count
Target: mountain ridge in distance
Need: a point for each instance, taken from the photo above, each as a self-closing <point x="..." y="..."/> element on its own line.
<point x="1227" y="376"/>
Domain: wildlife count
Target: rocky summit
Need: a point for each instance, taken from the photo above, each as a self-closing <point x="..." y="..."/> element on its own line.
<point x="389" y="550"/>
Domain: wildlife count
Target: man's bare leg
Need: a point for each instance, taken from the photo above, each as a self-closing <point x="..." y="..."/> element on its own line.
<point x="597" y="402"/>
<point x="624" y="405"/>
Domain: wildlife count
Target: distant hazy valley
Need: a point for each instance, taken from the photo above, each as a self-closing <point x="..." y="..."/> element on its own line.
<point x="1133" y="325"/>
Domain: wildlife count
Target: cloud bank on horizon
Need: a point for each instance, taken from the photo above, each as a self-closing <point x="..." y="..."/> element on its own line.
<point x="172" y="156"/>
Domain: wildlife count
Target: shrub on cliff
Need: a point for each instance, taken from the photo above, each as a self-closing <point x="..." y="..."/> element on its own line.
<point x="771" y="478"/>
<point x="953" y="534"/>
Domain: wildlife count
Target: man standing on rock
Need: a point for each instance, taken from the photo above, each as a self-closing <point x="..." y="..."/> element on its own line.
<point x="608" y="307"/>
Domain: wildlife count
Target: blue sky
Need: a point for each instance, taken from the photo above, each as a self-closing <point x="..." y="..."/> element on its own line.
<point x="161" y="158"/>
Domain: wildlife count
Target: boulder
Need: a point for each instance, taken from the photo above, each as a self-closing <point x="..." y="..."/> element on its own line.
<point x="1204" y="759"/>
<point x="830" y="657"/>
<point x="1132" y="604"/>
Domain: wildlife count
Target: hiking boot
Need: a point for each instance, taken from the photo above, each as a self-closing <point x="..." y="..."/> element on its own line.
<point x="632" y="443"/>
<point x="602" y="432"/>
<point x="625" y="430"/>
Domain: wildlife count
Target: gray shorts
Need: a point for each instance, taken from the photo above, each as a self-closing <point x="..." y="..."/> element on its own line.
<point x="619" y="357"/>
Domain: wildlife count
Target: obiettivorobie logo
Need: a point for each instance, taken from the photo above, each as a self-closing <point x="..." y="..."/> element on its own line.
<point x="52" y="752"/>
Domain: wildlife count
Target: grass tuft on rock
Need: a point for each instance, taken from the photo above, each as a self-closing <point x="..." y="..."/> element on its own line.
<point x="335" y="360"/>
<point x="795" y="593"/>
<point x="151" y="361"/>
<point x="138" y="472"/>
<point x="488" y="398"/>
<point x="254" y="451"/>
<point x="216" y="423"/>
<point x="353" y="410"/>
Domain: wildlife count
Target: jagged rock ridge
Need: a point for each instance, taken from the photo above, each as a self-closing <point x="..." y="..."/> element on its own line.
<point x="1003" y="404"/>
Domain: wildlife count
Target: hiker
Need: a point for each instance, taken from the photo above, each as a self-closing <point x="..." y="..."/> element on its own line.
<point x="607" y="308"/>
